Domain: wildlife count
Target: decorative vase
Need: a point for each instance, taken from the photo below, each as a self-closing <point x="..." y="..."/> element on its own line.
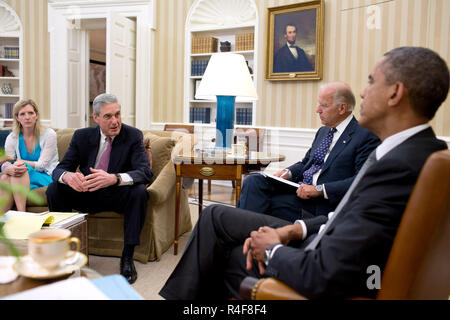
<point x="6" y="88"/>
<point x="225" y="46"/>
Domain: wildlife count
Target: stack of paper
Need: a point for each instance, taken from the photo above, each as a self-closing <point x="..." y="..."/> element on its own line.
<point x="20" y="224"/>
<point x="288" y="182"/>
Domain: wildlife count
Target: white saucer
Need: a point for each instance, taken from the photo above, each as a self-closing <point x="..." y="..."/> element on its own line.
<point x="7" y="274"/>
<point x="27" y="267"/>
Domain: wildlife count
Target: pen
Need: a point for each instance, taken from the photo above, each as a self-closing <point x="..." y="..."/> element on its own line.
<point x="285" y="172"/>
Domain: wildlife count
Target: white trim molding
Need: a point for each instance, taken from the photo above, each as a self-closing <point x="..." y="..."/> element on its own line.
<point x="293" y="143"/>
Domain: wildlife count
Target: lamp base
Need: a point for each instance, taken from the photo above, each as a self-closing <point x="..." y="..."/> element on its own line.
<point x="225" y="121"/>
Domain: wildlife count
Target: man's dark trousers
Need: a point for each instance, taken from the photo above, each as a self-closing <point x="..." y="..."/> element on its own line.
<point x="130" y="200"/>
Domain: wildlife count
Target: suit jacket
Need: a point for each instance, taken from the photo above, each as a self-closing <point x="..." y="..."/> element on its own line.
<point x="128" y="154"/>
<point x="363" y="233"/>
<point x="285" y="61"/>
<point x="342" y="165"/>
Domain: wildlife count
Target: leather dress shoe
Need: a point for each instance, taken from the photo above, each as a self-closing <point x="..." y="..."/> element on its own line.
<point x="127" y="269"/>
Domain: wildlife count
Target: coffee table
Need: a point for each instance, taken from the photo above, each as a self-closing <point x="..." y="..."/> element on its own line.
<point x="23" y="283"/>
<point x="215" y="165"/>
<point x="79" y="230"/>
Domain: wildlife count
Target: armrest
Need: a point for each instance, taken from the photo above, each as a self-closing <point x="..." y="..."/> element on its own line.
<point x="267" y="289"/>
<point x="163" y="186"/>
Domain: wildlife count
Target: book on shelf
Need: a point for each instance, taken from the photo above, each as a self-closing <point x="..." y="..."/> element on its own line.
<point x="244" y="42"/>
<point x="204" y="45"/>
<point x="198" y="67"/>
<point x="9" y="110"/>
<point x="19" y="224"/>
<point x="199" y="115"/>
<point x="11" y="52"/>
<point x="244" y="116"/>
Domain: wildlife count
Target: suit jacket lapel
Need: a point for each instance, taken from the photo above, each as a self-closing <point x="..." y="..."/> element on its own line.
<point x="94" y="144"/>
<point x="340" y="145"/>
<point x="116" y="151"/>
<point x="425" y="134"/>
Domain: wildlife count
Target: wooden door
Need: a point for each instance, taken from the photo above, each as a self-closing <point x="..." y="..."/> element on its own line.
<point x="121" y="64"/>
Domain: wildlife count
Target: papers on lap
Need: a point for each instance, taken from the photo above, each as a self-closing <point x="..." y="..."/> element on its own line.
<point x="288" y="182"/>
<point x="18" y="224"/>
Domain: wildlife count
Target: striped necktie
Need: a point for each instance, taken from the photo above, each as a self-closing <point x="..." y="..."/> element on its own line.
<point x="104" y="159"/>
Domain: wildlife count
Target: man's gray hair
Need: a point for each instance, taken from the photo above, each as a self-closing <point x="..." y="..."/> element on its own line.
<point x="342" y="94"/>
<point x="101" y="100"/>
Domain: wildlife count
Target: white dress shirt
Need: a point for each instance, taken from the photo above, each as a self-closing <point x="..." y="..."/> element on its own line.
<point x="293" y="50"/>
<point x="125" y="177"/>
<point x="387" y="145"/>
<point x="340" y="128"/>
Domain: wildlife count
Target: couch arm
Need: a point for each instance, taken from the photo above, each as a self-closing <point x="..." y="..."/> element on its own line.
<point x="163" y="186"/>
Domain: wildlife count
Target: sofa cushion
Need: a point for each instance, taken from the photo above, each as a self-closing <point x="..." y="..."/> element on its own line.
<point x="161" y="151"/>
<point x="40" y="192"/>
<point x="64" y="136"/>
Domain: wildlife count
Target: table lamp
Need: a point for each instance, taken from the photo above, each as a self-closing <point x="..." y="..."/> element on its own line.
<point x="226" y="77"/>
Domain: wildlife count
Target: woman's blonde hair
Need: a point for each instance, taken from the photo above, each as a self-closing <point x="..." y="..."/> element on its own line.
<point x="17" y="128"/>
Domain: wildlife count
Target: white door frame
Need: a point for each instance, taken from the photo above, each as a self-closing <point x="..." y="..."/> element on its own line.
<point x="68" y="14"/>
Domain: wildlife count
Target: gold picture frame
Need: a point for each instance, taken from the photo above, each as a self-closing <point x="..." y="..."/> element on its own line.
<point x="300" y="26"/>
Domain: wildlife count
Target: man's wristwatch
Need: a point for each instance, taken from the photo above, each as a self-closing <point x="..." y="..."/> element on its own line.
<point x="118" y="179"/>
<point x="319" y="187"/>
<point x="268" y="252"/>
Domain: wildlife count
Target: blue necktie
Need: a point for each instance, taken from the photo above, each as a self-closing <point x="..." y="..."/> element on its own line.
<point x="318" y="157"/>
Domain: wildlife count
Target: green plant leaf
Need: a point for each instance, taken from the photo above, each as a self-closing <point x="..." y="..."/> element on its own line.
<point x="8" y="242"/>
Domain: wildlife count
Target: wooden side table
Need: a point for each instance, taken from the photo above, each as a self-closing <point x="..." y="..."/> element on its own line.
<point x="202" y="165"/>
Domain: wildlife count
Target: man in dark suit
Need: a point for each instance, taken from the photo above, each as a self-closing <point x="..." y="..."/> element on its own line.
<point x="113" y="172"/>
<point x="404" y="92"/>
<point x="291" y="58"/>
<point x="327" y="170"/>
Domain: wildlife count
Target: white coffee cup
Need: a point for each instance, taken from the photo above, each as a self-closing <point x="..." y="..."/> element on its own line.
<point x="48" y="247"/>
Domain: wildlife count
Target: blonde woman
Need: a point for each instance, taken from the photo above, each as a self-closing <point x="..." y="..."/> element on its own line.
<point x="34" y="152"/>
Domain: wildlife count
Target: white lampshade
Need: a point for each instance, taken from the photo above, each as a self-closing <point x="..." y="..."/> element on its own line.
<point x="227" y="74"/>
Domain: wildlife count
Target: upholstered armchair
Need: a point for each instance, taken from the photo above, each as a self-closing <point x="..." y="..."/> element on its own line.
<point x="418" y="266"/>
<point x="105" y="229"/>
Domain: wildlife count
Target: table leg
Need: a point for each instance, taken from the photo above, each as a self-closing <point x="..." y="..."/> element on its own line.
<point x="177" y="210"/>
<point x="238" y="182"/>
<point x="200" y="196"/>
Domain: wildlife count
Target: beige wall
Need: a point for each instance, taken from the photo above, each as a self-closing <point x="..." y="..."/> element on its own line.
<point x="36" y="43"/>
<point x="350" y="51"/>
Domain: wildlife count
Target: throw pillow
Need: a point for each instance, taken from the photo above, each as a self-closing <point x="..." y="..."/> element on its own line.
<point x="161" y="151"/>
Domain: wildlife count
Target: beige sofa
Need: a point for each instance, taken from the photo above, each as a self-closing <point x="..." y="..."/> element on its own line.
<point x="105" y="229"/>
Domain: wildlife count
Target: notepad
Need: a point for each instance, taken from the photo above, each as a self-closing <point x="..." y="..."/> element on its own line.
<point x="19" y="225"/>
<point x="288" y="182"/>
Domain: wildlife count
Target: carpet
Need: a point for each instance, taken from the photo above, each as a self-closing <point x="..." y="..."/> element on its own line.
<point x="153" y="274"/>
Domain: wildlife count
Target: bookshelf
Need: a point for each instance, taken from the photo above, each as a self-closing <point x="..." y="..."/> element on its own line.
<point x="10" y="63"/>
<point x="204" y="35"/>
